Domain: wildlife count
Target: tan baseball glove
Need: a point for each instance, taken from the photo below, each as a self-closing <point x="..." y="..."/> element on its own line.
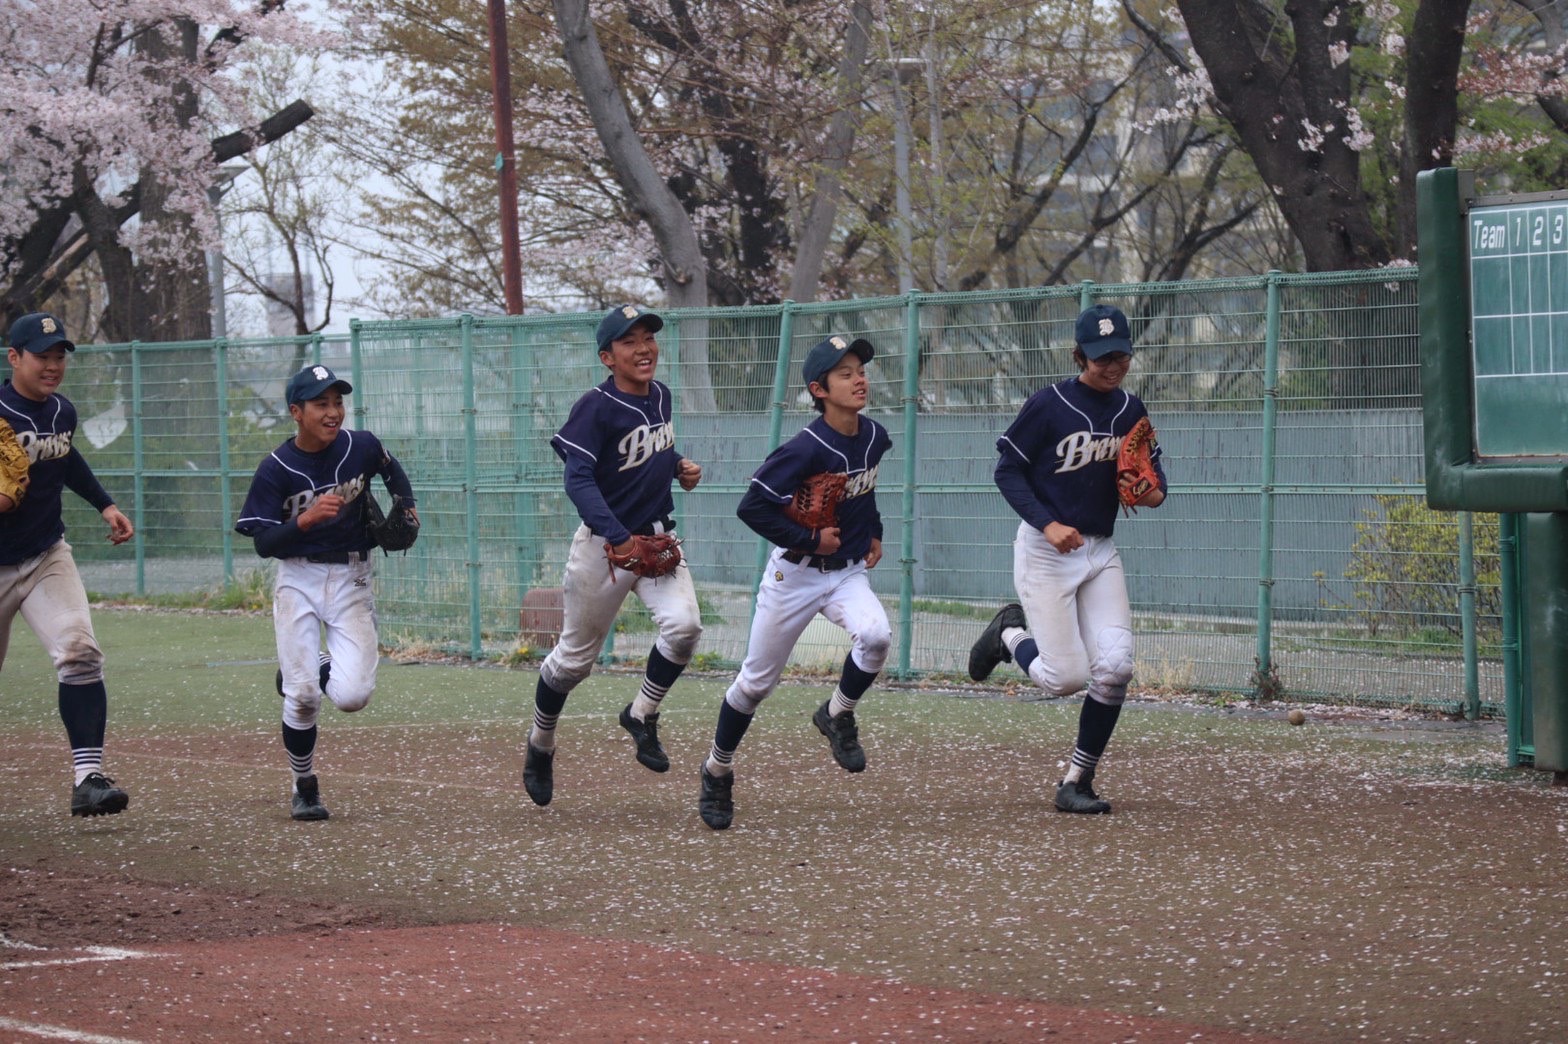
<point x="13" y="465"/>
<point x="649" y="556"/>
<point x="1135" y="474"/>
<point x="816" y="501"/>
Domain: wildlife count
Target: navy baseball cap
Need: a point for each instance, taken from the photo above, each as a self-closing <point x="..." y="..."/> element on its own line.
<point x="1102" y="330"/>
<point x="622" y="318"/>
<point x="313" y="382"/>
<point x="824" y="355"/>
<point x="38" y="332"/>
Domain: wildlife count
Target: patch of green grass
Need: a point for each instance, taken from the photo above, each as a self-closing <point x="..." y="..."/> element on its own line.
<point x="959" y="609"/>
<point x="250" y="591"/>
<point x="634" y="617"/>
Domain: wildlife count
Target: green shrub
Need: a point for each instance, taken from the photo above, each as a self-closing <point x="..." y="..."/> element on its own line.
<point x="1405" y="568"/>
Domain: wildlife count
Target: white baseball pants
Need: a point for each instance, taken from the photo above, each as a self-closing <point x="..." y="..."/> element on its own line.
<point x="790" y="595"/>
<point x="310" y="597"/>
<point x="592" y="596"/>
<point x="1078" y="614"/>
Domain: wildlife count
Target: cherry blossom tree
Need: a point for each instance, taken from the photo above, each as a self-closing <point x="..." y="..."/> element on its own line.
<point x="117" y="114"/>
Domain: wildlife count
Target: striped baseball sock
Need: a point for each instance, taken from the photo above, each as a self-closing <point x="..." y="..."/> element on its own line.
<point x="547" y="712"/>
<point x="86" y="760"/>
<point x="1022" y="647"/>
<point x="301" y="747"/>
<point x="852" y="684"/>
<point x="1096" y="722"/>
<point x="84" y="709"/>
<point x="656" y="682"/>
<point x="726" y="738"/>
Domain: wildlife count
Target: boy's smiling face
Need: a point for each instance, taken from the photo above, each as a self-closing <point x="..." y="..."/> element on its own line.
<point x="37" y="375"/>
<point x="319" y="420"/>
<point x="632" y="358"/>
<point x="845" y="386"/>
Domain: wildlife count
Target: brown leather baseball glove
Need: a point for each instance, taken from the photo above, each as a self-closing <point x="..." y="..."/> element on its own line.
<point x="1135" y="474"/>
<point x="816" y="501"/>
<point x="13" y="465"/>
<point x="649" y="556"/>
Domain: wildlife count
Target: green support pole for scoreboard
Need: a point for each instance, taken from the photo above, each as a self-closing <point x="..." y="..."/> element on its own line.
<point x="1544" y="592"/>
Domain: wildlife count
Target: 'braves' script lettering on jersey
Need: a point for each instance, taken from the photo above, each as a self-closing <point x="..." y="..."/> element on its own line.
<point x="862" y="483"/>
<point x="1081" y="448"/>
<point x="643" y="442"/>
<point x="299" y="503"/>
<point x="55" y="446"/>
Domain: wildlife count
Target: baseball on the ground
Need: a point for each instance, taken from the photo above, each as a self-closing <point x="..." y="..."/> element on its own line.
<point x="1297" y="716"/>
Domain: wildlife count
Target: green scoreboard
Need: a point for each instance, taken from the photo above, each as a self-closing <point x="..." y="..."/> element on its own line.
<point x="1518" y="274"/>
<point x="1494" y="397"/>
<point x="1494" y="346"/>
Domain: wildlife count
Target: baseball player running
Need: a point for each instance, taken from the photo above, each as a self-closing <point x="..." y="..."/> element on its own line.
<point x="1058" y="472"/>
<point x="618" y="445"/>
<point x="811" y="571"/>
<point x="306" y="508"/>
<point x="38" y="576"/>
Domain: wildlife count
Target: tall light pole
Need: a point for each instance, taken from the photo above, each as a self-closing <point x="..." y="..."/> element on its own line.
<point x="505" y="159"/>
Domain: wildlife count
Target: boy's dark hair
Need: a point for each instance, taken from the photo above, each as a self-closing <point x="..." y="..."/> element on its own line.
<point x="817" y="401"/>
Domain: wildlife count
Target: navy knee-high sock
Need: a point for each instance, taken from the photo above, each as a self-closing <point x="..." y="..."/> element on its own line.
<point x="547" y="711"/>
<point x="727" y="736"/>
<point x="1096" y="722"/>
<point x="84" y="709"/>
<point x="301" y="747"/>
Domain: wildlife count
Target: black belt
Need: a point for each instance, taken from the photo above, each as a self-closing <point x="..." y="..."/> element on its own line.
<point x="822" y="563"/>
<point x="338" y="557"/>
<point x="648" y="530"/>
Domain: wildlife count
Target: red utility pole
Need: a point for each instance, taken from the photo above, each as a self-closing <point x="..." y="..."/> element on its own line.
<point x="506" y="159"/>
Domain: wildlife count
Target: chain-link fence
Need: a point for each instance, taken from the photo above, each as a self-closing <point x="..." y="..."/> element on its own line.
<point x="1295" y="555"/>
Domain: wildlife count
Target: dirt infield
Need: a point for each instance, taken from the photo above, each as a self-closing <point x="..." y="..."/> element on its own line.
<point x="82" y="956"/>
<point x="1365" y="876"/>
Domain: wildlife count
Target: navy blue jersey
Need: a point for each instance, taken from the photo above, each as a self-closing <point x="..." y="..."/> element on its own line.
<point x="620" y="457"/>
<point x="46" y="431"/>
<point x="816" y="449"/>
<point x="289" y="480"/>
<point x="1058" y="459"/>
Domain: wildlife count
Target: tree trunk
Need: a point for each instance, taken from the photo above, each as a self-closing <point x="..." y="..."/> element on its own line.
<point x="812" y="242"/>
<point x="1286" y="101"/>
<point x="178" y="293"/>
<point x="1437" y="43"/>
<point x="685" y="269"/>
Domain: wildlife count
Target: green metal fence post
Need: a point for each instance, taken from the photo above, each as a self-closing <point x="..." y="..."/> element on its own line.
<point x="1263" y="679"/>
<point x="471" y="489"/>
<point x="356" y="371"/>
<point x="1515" y="705"/>
<point x="906" y="558"/>
<point x="139" y="483"/>
<point x="1467" y="614"/>
<point x="220" y="349"/>
<point x="776" y="412"/>
<point x="519" y="375"/>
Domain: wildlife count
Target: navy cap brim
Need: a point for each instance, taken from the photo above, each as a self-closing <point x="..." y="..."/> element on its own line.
<point x="824" y="363"/>
<point x="317" y="389"/>
<point x="1105" y="346"/>
<point x="615" y="325"/>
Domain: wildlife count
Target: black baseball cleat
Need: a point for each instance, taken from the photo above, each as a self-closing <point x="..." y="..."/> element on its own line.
<point x="715" y="805"/>
<point x="844" y="734"/>
<point x="98" y="796"/>
<point x="306" y="804"/>
<point x="1080" y="797"/>
<point x="539" y="775"/>
<point x="324" y="673"/>
<point x="646" y="735"/>
<point x="989" y="649"/>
